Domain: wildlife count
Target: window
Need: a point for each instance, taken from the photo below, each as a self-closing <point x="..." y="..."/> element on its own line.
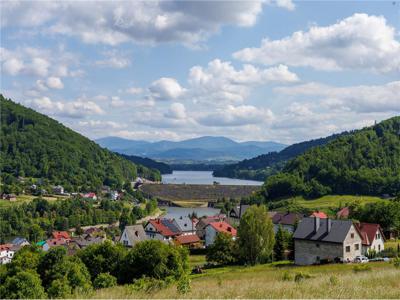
<point x="352" y="235"/>
<point x="379" y="248"/>
<point x="357" y="246"/>
<point x="378" y="236"/>
<point x="125" y="242"/>
<point x="347" y="248"/>
<point x="317" y="245"/>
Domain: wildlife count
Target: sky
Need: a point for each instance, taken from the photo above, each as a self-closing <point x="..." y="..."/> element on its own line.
<point x="284" y="71"/>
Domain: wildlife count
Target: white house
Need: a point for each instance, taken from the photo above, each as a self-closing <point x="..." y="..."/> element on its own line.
<point x="214" y="228"/>
<point x="162" y="229"/>
<point x="58" y="189"/>
<point x="132" y="235"/>
<point x="372" y="237"/>
<point x="114" y="195"/>
<point x="6" y="254"/>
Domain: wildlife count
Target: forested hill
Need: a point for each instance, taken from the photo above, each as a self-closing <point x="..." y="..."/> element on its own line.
<point x="365" y="162"/>
<point x="262" y="166"/>
<point x="36" y="146"/>
<point x="149" y="163"/>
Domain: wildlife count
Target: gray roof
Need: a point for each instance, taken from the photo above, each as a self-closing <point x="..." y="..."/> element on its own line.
<point x="240" y="210"/>
<point x="185" y="224"/>
<point x="136" y="233"/>
<point x="337" y="233"/>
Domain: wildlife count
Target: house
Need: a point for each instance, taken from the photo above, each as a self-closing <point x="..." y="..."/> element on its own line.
<point x="319" y="214"/>
<point x="203" y="222"/>
<point x="319" y="240"/>
<point x="94" y="232"/>
<point x="189" y="240"/>
<point x="186" y="225"/>
<point x="132" y="235"/>
<point x="6" y="254"/>
<point x="91" y="196"/>
<point x="238" y="211"/>
<point x="55" y="242"/>
<point x="9" y="197"/>
<point x="215" y="228"/>
<point x="343" y="213"/>
<point x="20" y="241"/>
<point x="78" y="243"/>
<point x="287" y="220"/>
<point x="33" y="187"/>
<point x="61" y="235"/>
<point x="114" y="195"/>
<point x="43" y="245"/>
<point x="58" y="190"/>
<point x="373" y="238"/>
<point x="162" y="229"/>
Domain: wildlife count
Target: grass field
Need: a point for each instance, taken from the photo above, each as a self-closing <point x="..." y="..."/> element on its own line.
<point x="27" y="198"/>
<point x="267" y="281"/>
<point x="392" y="244"/>
<point x="329" y="202"/>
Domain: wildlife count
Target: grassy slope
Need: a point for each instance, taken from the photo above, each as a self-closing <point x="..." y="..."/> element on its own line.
<point x="265" y="281"/>
<point x="27" y="198"/>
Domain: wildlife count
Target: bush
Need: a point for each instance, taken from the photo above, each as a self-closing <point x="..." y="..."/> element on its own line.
<point x="150" y="285"/>
<point x="361" y="268"/>
<point x="183" y="286"/>
<point x="104" y="280"/>
<point x="300" y="276"/>
<point x="333" y="280"/>
<point x="154" y="259"/>
<point x="222" y="251"/>
<point x="287" y="276"/>
<point x="59" y="288"/>
<point x="23" y="285"/>
<point x="396" y="262"/>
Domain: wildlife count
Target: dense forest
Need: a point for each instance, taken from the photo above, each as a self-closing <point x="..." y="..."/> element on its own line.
<point x="262" y="166"/>
<point x="36" y="146"/>
<point x="149" y="163"/>
<point x="365" y="162"/>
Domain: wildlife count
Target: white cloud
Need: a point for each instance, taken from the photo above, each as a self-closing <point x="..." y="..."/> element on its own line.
<point x="134" y="91"/>
<point x="151" y="22"/>
<point x="362" y="98"/>
<point x="176" y="111"/>
<point x="75" y="109"/>
<point x="221" y="82"/>
<point x="357" y="42"/>
<point x="236" y="116"/>
<point x="13" y="66"/>
<point x="101" y="125"/>
<point x="113" y="59"/>
<point x="166" y="89"/>
<point x="116" y="102"/>
<point x="54" y="83"/>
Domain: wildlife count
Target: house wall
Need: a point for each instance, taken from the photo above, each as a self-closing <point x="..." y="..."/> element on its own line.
<point x="210" y="234"/>
<point x="378" y="244"/>
<point x="125" y="240"/>
<point x="352" y="239"/>
<point x="310" y="252"/>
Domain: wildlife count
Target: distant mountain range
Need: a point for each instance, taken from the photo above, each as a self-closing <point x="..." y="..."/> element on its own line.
<point x="206" y="148"/>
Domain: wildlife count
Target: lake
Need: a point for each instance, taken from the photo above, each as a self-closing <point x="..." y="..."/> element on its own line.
<point x="203" y="177"/>
<point x="176" y="212"/>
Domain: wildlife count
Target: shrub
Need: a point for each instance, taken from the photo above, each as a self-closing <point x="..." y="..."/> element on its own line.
<point x="333" y="280"/>
<point x="183" y="286"/>
<point x="23" y="285"/>
<point x="287" y="276"/>
<point x="396" y="262"/>
<point x="361" y="268"/>
<point x="300" y="276"/>
<point x="104" y="280"/>
<point x="149" y="285"/>
<point x="222" y="251"/>
<point x="59" y="288"/>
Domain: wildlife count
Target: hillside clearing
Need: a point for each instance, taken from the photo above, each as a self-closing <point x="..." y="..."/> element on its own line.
<point x="27" y="198"/>
<point x="266" y="281"/>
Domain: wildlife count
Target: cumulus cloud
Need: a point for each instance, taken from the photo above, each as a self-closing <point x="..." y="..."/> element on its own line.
<point x="151" y="22"/>
<point x="362" y="98"/>
<point x="113" y="59"/>
<point x="166" y="89"/>
<point x="176" y="111"/>
<point x="74" y="109"/>
<point x="360" y="41"/>
<point x="236" y="116"/>
<point x="116" y="102"/>
<point x="101" y="125"/>
<point x="221" y="82"/>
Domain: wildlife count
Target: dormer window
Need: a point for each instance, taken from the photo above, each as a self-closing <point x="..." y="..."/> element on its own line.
<point x="352" y="235"/>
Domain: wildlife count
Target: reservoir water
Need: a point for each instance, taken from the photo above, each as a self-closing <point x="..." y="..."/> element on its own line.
<point x="203" y="177"/>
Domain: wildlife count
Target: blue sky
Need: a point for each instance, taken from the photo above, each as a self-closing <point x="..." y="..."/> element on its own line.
<point x="270" y="70"/>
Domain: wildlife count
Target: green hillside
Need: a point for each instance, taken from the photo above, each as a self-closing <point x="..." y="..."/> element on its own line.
<point x="365" y="162"/>
<point x="35" y="146"/>
<point x="262" y="166"/>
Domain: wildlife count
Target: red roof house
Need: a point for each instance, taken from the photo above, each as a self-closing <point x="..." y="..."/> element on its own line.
<point x="372" y="237"/>
<point x="343" y="213"/>
<point x="214" y="228"/>
<point x="319" y="214"/>
<point x="188" y="240"/>
<point x="165" y="228"/>
<point x="223" y="227"/>
<point x="61" y="235"/>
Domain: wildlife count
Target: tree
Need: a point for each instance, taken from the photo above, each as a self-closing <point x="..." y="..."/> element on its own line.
<point x="59" y="288"/>
<point x="23" y="285"/>
<point x="153" y="258"/>
<point x="255" y="236"/>
<point x="26" y="259"/>
<point x="104" y="280"/>
<point x="282" y="243"/>
<point x="222" y="251"/>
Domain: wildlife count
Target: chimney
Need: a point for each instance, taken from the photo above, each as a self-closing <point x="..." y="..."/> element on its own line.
<point x="328" y="225"/>
<point x="316" y="223"/>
